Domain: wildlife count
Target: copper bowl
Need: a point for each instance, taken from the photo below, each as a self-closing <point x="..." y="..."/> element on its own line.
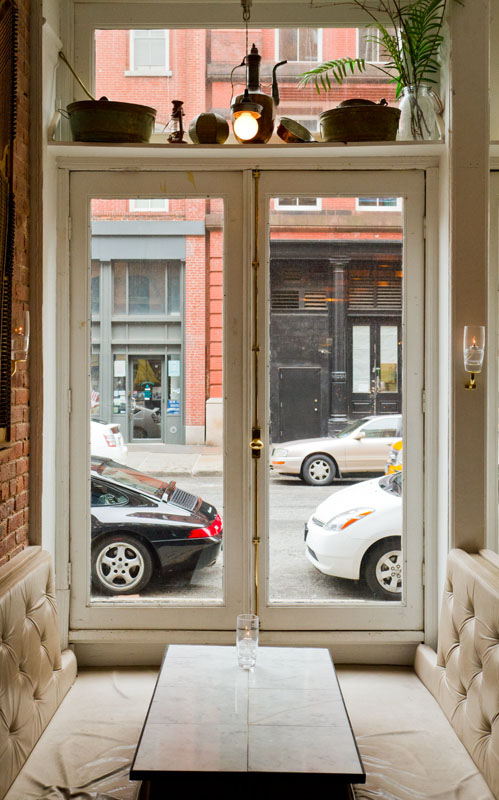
<point x="291" y="132"/>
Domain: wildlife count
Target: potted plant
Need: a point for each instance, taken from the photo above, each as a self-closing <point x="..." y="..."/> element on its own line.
<point x="411" y="34"/>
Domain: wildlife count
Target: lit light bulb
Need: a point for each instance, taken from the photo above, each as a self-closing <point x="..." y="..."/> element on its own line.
<point x="245" y="126"/>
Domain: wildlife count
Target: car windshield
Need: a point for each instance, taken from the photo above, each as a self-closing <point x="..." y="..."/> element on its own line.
<point x="392" y="483"/>
<point x="130" y="477"/>
<point x="349" y="428"/>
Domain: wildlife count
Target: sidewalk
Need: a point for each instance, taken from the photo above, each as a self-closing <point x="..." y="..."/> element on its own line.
<point x="172" y="460"/>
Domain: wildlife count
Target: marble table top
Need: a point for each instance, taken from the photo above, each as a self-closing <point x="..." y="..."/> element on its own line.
<point x="285" y="716"/>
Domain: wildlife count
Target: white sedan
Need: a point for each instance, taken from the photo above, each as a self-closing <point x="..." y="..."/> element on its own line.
<point x="363" y="446"/>
<point x="356" y="534"/>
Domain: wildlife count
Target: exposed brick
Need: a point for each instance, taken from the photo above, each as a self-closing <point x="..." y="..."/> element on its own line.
<point x="14" y="462"/>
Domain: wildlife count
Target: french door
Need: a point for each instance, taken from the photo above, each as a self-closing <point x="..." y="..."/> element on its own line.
<point x="375" y="358"/>
<point x="270" y="295"/>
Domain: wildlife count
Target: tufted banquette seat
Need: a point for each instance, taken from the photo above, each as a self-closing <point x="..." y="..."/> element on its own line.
<point x="34" y="673"/>
<point x="416" y="744"/>
<point x="441" y="744"/>
<point x="464" y="674"/>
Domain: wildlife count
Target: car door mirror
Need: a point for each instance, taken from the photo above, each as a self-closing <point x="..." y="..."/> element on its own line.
<point x="360" y="435"/>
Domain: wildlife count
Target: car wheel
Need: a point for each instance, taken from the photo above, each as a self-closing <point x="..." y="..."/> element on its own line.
<point x="318" y="470"/>
<point x="139" y="433"/>
<point x="383" y="569"/>
<point x="121" y="564"/>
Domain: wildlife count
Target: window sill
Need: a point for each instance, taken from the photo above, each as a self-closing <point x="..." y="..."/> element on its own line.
<point x="78" y="155"/>
<point x="140" y="73"/>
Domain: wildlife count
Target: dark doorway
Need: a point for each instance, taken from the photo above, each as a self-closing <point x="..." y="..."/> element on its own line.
<point x="299" y="411"/>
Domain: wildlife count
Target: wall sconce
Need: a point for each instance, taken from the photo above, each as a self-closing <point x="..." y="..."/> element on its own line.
<point x="473" y="352"/>
<point x="20" y="339"/>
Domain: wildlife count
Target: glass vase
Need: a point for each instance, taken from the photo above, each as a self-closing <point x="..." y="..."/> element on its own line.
<point x="418" y="117"/>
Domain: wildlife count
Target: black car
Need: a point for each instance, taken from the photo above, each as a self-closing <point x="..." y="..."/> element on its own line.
<point x="141" y="524"/>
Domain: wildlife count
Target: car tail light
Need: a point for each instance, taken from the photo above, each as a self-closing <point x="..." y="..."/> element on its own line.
<point x="215" y="529"/>
<point x="110" y="440"/>
<point x="115" y="429"/>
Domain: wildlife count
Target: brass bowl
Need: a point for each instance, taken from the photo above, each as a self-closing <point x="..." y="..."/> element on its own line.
<point x="110" y="121"/>
<point x="359" y="120"/>
<point x="291" y="132"/>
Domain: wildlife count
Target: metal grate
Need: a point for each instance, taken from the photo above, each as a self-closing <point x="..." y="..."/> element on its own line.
<point x="375" y="288"/>
<point x="315" y="301"/>
<point x="285" y="300"/>
<point x="184" y="499"/>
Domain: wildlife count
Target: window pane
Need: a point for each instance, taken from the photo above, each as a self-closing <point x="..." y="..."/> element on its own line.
<point x="361" y="358"/>
<point x="288" y="44"/>
<point x="146" y="287"/>
<point x="95" y="288"/>
<point x="308" y="41"/>
<point x="222" y="50"/>
<point x="173" y="289"/>
<point x="388" y="359"/>
<point x="335" y="403"/>
<point x="119" y="384"/>
<point x="156" y="399"/>
<point x="119" y="284"/>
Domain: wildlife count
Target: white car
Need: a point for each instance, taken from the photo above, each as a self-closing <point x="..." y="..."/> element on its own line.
<point x="356" y="534"/>
<point x="106" y="440"/>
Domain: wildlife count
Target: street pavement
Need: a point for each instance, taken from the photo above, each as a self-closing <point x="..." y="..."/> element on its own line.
<point x="174" y="460"/>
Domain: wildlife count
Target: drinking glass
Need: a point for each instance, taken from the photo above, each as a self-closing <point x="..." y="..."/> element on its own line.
<point x="247" y="640"/>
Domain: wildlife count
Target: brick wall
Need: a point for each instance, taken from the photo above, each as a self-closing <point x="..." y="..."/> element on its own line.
<point x="14" y="461"/>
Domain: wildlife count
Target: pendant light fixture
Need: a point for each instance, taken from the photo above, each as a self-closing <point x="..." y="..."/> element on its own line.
<point x="245" y="112"/>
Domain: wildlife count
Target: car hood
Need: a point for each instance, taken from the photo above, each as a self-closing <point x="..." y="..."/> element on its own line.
<point x="307" y="443"/>
<point x="367" y="494"/>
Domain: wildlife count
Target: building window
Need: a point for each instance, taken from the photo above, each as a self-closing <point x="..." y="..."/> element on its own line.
<point x="146" y="287"/>
<point x="378" y="203"/>
<point x="371" y="51"/>
<point x="298" y="203"/>
<point x="149" y="52"/>
<point x="298" y="44"/>
<point x="149" y="204"/>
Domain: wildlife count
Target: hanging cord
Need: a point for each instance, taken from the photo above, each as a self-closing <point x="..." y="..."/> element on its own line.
<point x="246" y="4"/>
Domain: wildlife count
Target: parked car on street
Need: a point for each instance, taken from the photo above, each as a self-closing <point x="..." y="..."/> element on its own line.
<point x="362" y="446"/>
<point x="141" y="525"/>
<point x="356" y="534"/>
<point x="106" y="440"/>
<point x="394" y="463"/>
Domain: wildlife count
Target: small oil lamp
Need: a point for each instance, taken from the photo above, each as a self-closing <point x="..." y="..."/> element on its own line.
<point x="175" y="129"/>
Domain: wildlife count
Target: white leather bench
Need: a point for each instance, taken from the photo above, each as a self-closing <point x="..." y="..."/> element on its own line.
<point x="61" y="735"/>
<point x="433" y="731"/>
<point x="428" y="733"/>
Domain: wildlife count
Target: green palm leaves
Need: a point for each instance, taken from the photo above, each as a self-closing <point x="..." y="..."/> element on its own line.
<point x="410" y="34"/>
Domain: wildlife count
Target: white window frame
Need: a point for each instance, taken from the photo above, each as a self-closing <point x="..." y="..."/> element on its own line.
<point x="408" y="614"/>
<point x="300" y="209"/>
<point x="88" y="614"/>
<point x="361" y="207"/>
<point x="405" y="616"/>
<point x="163" y="70"/>
<point x="279" y="57"/>
<point x="135" y="210"/>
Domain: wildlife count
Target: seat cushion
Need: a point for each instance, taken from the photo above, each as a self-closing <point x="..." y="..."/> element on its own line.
<point x="87" y="749"/>
<point x="408" y="747"/>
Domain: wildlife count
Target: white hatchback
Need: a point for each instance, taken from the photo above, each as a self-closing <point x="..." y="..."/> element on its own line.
<point x="356" y="534"/>
<point x="106" y="440"/>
